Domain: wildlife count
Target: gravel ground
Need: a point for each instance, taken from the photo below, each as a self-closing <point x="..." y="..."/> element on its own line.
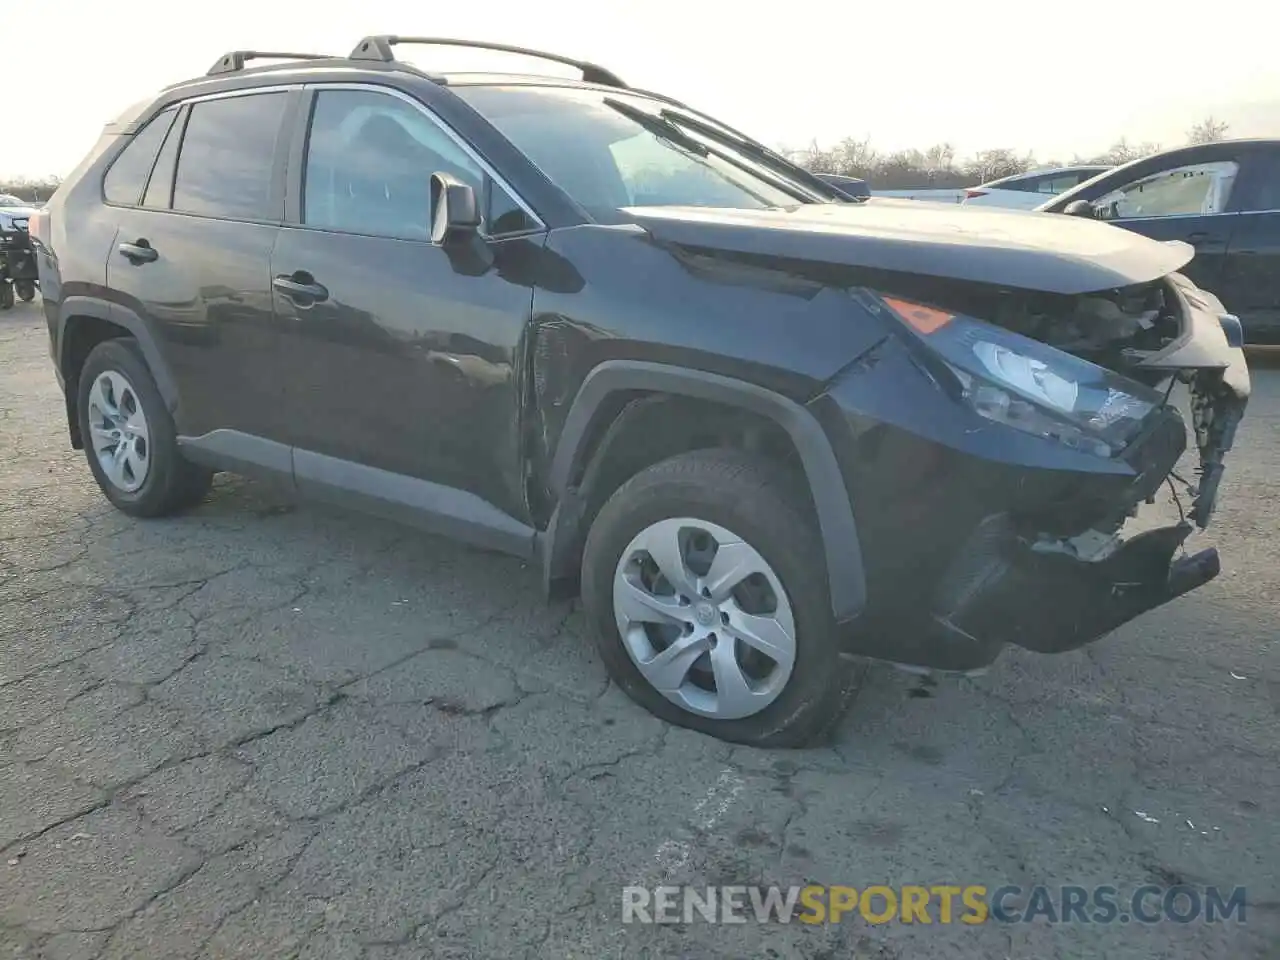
<point x="268" y="730"/>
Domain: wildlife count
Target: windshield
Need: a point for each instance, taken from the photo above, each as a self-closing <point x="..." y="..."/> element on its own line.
<point x="8" y="200"/>
<point x="609" y="151"/>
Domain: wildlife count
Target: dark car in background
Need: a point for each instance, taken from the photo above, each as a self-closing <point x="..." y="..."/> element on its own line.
<point x="1222" y="198"/>
<point x="17" y="263"/>
<point x="755" y="426"/>
<point x="853" y="187"/>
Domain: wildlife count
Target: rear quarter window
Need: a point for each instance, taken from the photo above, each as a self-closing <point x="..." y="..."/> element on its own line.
<point x="128" y="173"/>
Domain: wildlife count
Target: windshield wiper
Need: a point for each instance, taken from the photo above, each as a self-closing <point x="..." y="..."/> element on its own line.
<point x="662" y="125"/>
<point x="667" y="124"/>
<point x="763" y="155"/>
<point x="659" y="126"/>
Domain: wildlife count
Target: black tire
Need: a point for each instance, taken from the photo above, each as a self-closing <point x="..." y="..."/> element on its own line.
<point x="25" y="289"/>
<point x="172" y="483"/>
<point x="6" y="295"/>
<point x="762" y="505"/>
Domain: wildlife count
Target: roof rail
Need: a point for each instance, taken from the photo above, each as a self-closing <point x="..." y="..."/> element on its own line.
<point x="379" y="48"/>
<point x="236" y="59"/>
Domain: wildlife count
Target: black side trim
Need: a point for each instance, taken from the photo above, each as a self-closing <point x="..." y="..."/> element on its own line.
<point x="240" y="453"/>
<point x="430" y="506"/>
<point x="121" y="317"/>
<point x="839" y="531"/>
<point x="434" y="507"/>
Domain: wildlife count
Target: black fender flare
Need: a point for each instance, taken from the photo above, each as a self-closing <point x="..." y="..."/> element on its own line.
<point x="123" y="317"/>
<point x="839" y="530"/>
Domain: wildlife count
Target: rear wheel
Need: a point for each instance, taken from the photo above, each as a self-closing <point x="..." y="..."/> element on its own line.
<point x="129" y="437"/>
<point x="705" y="584"/>
<point x="25" y="289"/>
<point x="6" y="295"/>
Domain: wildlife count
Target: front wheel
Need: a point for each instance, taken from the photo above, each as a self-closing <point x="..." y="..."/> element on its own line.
<point x="25" y="289"/>
<point x="6" y="295"/>
<point x="704" y="580"/>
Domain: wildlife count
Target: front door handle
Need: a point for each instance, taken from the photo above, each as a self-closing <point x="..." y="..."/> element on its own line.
<point x="1199" y="238"/>
<point x="300" y="287"/>
<point x="138" y="252"/>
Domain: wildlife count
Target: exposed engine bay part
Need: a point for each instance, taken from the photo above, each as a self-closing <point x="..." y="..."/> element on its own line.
<point x="1091" y="546"/>
<point x="1215" y="415"/>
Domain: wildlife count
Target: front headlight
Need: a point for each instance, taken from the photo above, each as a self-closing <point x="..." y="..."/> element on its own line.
<point x="1029" y="385"/>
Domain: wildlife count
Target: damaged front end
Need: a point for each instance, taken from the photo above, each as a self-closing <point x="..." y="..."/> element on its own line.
<point x="1039" y="556"/>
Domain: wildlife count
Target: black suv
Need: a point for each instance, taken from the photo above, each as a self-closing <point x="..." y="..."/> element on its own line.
<point x="759" y="425"/>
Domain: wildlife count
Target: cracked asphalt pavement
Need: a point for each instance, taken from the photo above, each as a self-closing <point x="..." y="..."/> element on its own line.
<point x="272" y="730"/>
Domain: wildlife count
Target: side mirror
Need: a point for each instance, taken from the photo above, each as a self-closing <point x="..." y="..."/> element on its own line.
<point x="1080" y="208"/>
<point x="455" y="214"/>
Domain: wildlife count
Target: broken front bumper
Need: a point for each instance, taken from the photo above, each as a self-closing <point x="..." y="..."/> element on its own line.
<point x="1005" y="591"/>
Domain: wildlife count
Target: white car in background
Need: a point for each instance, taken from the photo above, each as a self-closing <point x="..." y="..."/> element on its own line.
<point x="1028" y="190"/>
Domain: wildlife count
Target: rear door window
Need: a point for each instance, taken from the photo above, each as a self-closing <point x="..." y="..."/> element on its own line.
<point x="1055" y="184"/>
<point x="1259" y="190"/>
<point x="228" y="155"/>
<point x="1020" y="184"/>
<point x="129" y="171"/>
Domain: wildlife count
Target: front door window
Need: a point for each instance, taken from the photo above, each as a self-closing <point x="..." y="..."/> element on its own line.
<point x="1193" y="190"/>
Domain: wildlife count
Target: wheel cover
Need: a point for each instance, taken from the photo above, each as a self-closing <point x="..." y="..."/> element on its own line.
<point x="704" y="618"/>
<point x="118" y="431"/>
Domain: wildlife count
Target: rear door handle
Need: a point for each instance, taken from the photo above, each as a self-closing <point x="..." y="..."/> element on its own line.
<point x="140" y="251"/>
<point x="300" y="287"/>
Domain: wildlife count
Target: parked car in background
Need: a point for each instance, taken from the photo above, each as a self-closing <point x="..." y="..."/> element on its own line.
<point x="1222" y="198"/>
<point x="853" y="187"/>
<point x="1027" y="191"/>
<point x="860" y="189"/>
<point x="17" y="265"/>
<point x="925" y="194"/>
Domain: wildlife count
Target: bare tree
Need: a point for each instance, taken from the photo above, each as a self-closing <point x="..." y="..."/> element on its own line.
<point x="856" y="158"/>
<point x="28" y="188"/>
<point x="819" y="160"/>
<point x="939" y="160"/>
<point x="1122" y="151"/>
<point x="1208" y="130"/>
<point x="996" y="163"/>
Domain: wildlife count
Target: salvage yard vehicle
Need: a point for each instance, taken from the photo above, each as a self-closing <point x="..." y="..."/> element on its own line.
<point x="853" y="187"/>
<point x="1025" y="191"/>
<point x="763" y="430"/>
<point x="17" y="264"/>
<point x="1223" y="198"/>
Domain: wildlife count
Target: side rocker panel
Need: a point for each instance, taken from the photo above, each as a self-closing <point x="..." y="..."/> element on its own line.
<point x="843" y="554"/>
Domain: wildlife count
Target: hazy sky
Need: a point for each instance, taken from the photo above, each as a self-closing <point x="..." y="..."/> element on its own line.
<point x="1000" y="73"/>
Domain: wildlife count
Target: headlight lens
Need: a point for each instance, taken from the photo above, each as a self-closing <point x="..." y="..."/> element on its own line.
<point x="1028" y="385"/>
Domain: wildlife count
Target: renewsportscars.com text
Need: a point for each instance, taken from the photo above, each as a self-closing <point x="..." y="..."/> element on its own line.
<point x="942" y="904"/>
